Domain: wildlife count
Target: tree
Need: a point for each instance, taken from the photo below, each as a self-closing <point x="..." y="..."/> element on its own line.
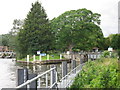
<point x="4" y="40"/>
<point x="17" y="25"/>
<point x="35" y="34"/>
<point x="77" y="28"/>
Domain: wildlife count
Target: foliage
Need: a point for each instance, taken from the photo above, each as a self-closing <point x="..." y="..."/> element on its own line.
<point x="115" y="41"/>
<point x="77" y="29"/>
<point x="101" y="73"/>
<point x="106" y="54"/>
<point x="4" y="39"/>
<point x="35" y="34"/>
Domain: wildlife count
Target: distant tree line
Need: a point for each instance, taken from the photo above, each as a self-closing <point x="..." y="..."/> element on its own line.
<point x="73" y="30"/>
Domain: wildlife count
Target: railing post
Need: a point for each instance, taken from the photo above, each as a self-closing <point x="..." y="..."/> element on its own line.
<point x="53" y="76"/>
<point x="22" y="76"/>
<point x="64" y="68"/>
<point x="33" y="85"/>
<point x="73" y="65"/>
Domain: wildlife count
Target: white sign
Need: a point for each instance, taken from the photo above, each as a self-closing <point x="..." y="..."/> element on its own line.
<point x="38" y="52"/>
<point x="110" y="49"/>
<point x="68" y="52"/>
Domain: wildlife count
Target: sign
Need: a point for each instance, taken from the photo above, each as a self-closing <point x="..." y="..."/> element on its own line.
<point x="38" y="52"/>
<point x="43" y="54"/>
<point x="110" y="49"/>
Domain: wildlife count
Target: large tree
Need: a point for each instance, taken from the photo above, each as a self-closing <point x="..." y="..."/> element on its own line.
<point x="77" y="28"/>
<point x="35" y="34"/>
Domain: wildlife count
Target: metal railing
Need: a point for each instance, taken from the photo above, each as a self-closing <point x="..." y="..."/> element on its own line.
<point x="38" y="78"/>
<point x="68" y="79"/>
<point x="65" y="82"/>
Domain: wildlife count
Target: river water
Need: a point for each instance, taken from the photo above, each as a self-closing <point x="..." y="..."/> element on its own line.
<point x="8" y="71"/>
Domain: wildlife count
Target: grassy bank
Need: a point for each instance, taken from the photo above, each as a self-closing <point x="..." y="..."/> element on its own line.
<point x="101" y="73"/>
<point x="51" y="57"/>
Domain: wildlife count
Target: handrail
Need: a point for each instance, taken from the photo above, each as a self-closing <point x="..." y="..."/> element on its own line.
<point x="35" y="78"/>
<point x="69" y="74"/>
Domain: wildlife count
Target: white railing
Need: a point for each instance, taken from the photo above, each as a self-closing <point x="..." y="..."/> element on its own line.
<point x="68" y="79"/>
<point x="27" y="83"/>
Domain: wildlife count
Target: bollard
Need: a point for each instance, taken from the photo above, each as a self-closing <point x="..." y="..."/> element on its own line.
<point x="27" y="58"/>
<point x="73" y="65"/>
<point x="60" y="56"/>
<point x="33" y="85"/>
<point x="48" y="57"/>
<point x="34" y="58"/>
<point x="64" y="68"/>
<point x="22" y="76"/>
<point x="53" y="76"/>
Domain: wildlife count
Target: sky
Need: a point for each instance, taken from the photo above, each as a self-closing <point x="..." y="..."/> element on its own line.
<point x="18" y="9"/>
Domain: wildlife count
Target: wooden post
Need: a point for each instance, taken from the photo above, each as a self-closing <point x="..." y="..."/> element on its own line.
<point x="60" y="56"/>
<point x="48" y="57"/>
<point x="27" y="58"/>
<point x="33" y="85"/>
<point x="22" y="76"/>
<point x="73" y="65"/>
<point x="64" y="68"/>
<point x="34" y="58"/>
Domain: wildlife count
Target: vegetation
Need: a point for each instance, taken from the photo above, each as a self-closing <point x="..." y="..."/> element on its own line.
<point x="51" y="57"/>
<point x="35" y="34"/>
<point x="101" y="73"/>
<point x="77" y="29"/>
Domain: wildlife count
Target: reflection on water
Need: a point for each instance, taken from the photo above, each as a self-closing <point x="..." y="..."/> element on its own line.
<point x="8" y="69"/>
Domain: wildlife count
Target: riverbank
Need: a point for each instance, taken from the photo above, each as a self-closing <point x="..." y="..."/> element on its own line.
<point x="45" y="61"/>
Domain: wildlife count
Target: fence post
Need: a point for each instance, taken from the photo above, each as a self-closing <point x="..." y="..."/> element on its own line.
<point x="48" y="57"/>
<point x="33" y="85"/>
<point x="27" y="58"/>
<point x="22" y="76"/>
<point x="34" y="58"/>
<point x="73" y="65"/>
<point x="53" y="76"/>
<point x="64" y="68"/>
<point x="60" y="56"/>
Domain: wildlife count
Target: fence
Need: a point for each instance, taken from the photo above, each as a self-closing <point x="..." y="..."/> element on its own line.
<point x="66" y="81"/>
<point x="32" y="82"/>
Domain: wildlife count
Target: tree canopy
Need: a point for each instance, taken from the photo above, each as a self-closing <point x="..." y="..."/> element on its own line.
<point x="35" y="34"/>
<point x="77" y="28"/>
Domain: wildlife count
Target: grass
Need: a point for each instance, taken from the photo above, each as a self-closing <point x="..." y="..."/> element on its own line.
<point x="51" y="57"/>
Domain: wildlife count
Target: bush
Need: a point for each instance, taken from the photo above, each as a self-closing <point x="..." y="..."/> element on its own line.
<point x="106" y="54"/>
<point x="98" y="74"/>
